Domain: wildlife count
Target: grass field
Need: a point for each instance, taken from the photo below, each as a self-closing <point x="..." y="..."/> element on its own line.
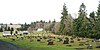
<point x="34" y="45"/>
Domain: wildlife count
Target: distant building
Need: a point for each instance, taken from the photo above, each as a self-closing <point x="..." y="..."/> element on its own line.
<point x="6" y="33"/>
<point x="40" y="29"/>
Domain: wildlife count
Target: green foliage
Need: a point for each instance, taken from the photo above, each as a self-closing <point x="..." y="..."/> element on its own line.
<point x="98" y="11"/>
<point x="1" y="30"/>
<point x="82" y="24"/>
<point x="64" y="14"/>
<point x="12" y="29"/>
<point x="24" y="27"/>
<point x="92" y="15"/>
<point x="8" y="29"/>
<point x="87" y="27"/>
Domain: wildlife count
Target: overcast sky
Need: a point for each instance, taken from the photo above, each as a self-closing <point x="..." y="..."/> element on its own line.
<point x="21" y="11"/>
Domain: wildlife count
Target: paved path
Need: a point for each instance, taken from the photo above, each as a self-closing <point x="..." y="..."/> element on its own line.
<point x="8" y="46"/>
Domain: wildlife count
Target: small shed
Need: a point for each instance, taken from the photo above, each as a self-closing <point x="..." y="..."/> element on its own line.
<point x="40" y="29"/>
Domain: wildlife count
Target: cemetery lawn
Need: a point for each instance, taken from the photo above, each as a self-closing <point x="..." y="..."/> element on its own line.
<point x="34" y="45"/>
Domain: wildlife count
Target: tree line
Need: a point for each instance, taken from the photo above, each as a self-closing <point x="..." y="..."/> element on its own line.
<point x="82" y="26"/>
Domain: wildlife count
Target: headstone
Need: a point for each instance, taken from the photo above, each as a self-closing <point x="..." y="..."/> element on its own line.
<point x="81" y="44"/>
<point x="38" y="40"/>
<point x="50" y="43"/>
<point x="98" y="46"/>
<point x="59" y="40"/>
<point x="92" y="41"/>
<point x="44" y="37"/>
<point x="72" y="41"/>
<point x="40" y="37"/>
<point x="78" y="39"/>
<point x="20" y="34"/>
<point x="35" y="36"/>
<point x="86" y="43"/>
<point x="17" y="37"/>
<point x="54" y="37"/>
<point x="82" y="38"/>
<point x="66" y="41"/>
<point x="71" y="38"/>
<point x="13" y="39"/>
<point x="89" y="47"/>
<point x="69" y="45"/>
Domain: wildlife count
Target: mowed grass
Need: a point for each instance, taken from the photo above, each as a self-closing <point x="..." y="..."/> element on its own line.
<point x="34" y="45"/>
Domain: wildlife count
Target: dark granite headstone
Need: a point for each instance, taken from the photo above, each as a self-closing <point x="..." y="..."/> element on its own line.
<point x="13" y="39"/>
<point x="98" y="46"/>
<point x="40" y="37"/>
<point x="66" y="41"/>
<point x="71" y="38"/>
<point x="92" y="41"/>
<point x="50" y="42"/>
<point x="78" y="39"/>
<point x="72" y="41"/>
<point x="38" y="40"/>
<point x="81" y="44"/>
<point x="69" y="45"/>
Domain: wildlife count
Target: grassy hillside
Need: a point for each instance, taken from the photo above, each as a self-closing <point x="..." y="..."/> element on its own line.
<point x="34" y="45"/>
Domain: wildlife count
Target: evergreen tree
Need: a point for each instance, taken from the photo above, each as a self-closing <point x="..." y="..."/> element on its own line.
<point x="93" y="21"/>
<point x="8" y="29"/>
<point x="98" y="19"/>
<point x="49" y="21"/>
<point x="82" y="22"/>
<point x="12" y="29"/>
<point x="64" y="15"/>
<point x="66" y="22"/>
<point x="92" y="15"/>
<point x="1" y="29"/>
<point x="98" y="11"/>
<point x="54" y="21"/>
<point x="52" y="26"/>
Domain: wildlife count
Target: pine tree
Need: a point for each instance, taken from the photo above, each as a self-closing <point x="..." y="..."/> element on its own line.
<point x="92" y="15"/>
<point x="66" y="22"/>
<point x="93" y="21"/>
<point x="98" y="11"/>
<point x="64" y="14"/>
<point x="98" y="19"/>
<point x="82" y="22"/>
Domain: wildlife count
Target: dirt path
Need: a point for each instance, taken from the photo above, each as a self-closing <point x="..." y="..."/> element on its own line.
<point x="8" y="46"/>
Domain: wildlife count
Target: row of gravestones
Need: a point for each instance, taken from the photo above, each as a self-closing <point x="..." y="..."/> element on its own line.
<point x="51" y="42"/>
<point x="66" y="41"/>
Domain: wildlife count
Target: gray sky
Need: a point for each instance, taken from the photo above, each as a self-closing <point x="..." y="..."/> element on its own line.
<point x="21" y="11"/>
